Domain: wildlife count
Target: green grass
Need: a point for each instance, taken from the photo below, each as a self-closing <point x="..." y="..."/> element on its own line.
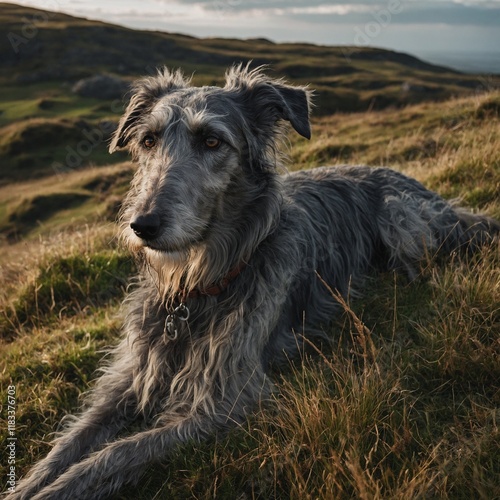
<point x="31" y="208"/>
<point x="40" y="147"/>
<point x="49" y="101"/>
<point x="405" y="404"/>
<point x="66" y="286"/>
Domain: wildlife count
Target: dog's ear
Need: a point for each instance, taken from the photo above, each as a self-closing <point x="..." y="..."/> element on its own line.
<point x="270" y="100"/>
<point x="137" y="106"/>
<point x="144" y="95"/>
<point x="291" y="103"/>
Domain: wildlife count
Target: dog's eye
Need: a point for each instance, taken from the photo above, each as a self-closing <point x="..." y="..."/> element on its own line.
<point x="149" y="141"/>
<point x="212" y="142"/>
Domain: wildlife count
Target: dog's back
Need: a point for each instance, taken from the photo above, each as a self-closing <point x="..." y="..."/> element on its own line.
<point x="361" y="211"/>
<point x="351" y="220"/>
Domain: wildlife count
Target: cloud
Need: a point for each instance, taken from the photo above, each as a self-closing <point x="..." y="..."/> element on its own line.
<point x="446" y="12"/>
<point x="309" y="13"/>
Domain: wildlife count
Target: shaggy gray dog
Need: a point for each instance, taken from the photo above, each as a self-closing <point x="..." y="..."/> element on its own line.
<point x="231" y="254"/>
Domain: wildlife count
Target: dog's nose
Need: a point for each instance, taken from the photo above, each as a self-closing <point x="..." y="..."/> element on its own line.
<point x="146" y="226"/>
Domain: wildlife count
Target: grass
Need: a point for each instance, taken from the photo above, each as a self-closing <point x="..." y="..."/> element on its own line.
<point x="49" y="102"/>
<point x="405" y="404"/>
<point x="39" y="147"/>
<point x="33" y="207"/>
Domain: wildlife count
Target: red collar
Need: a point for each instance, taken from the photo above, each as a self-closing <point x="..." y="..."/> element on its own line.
<point x="215" y="288"/>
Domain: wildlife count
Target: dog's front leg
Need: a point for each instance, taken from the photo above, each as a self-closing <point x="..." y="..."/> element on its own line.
<point x="224" y="381"/>
<point x="103" y="472"/>
<point x="109" y="413"/>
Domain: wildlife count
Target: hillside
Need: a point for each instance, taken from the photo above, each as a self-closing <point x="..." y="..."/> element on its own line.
<point x="49" y="106"/>
<point x="64" y="48"/>
<point x="405" y="407"/>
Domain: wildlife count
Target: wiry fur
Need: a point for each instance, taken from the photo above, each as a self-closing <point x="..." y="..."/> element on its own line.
<point x="218" y="208"/>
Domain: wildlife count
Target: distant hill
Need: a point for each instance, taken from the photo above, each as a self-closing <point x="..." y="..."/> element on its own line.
<point x="44" y="54"/>
<point x="58" y="47"/>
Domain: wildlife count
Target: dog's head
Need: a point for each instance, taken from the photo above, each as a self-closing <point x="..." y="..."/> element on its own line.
<point x="202" y="152"/>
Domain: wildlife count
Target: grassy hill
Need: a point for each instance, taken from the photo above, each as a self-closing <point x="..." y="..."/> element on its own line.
<point x="64" y="48"/>
<point x="406" y="405"/>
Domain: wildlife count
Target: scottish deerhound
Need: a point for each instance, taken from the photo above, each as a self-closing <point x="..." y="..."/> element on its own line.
<point x="231" y="251"/>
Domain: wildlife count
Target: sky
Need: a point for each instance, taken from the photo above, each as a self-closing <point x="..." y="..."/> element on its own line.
<point x="464" y="34"/>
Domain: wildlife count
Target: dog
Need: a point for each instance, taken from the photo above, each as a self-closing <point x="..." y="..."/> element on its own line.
<point x="233" y="254"/>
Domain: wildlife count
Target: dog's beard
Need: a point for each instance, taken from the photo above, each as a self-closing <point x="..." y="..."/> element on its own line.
<point x="160" y="259"/>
